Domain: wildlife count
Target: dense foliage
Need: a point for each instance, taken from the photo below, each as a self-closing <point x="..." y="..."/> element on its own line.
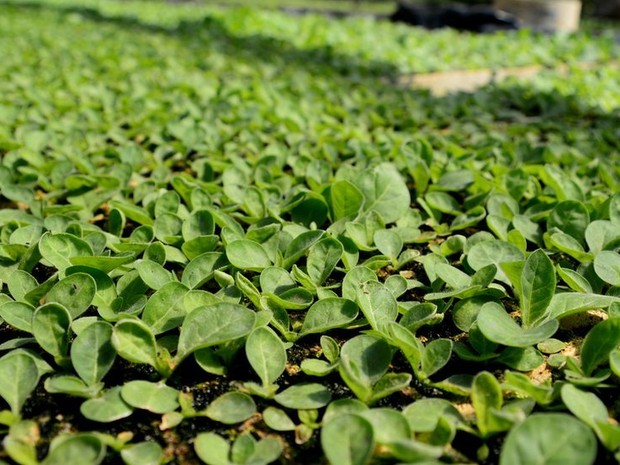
<point x="227" y="237"/>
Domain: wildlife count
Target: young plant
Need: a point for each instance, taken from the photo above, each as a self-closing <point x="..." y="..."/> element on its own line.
<point x="364" y="362"/>
<point x="267" y="356"/>
<point x="92" y="356"/>
<point x="212" y="449"/>
<point x="19" y="377"/>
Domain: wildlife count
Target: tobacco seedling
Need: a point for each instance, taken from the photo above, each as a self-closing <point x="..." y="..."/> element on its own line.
<point x="212" y="449"/>
<point x="364" y="362"/>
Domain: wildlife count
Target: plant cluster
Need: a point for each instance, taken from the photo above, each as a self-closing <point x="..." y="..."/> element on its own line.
<point x="218" y="247"/>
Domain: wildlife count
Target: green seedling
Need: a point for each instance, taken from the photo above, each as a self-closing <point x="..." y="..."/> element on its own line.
<point x="215" y="450"/>
<point x="267" y="356"/>
<point x="278" y="420"/>
<point x="134" y="341"/>
<point x="364" y="362"/>
<point x="21" y="441"/>
<point x="424" y="361"/>
<point x="20" y="376"/>
<point x="377" y="303"/>
<point x="348" y="439"/>
<point x="317" y="367"/>
<point x="92" y="356"/>
<point x="86" y="448"/>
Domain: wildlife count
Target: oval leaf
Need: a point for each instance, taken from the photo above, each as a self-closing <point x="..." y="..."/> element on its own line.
<point x="134" y="341"/>
<point x="107" y="408"/>
<point x="247" y="255"/>
<point x="348" y="440"/>
<point x="214" y="325"/>
<point x="154" y="397"/>
<point x="599" y="343"/>
<point x="499" y="327"/>
<point x="19" y="376"/>
<point x="549" y="439"/>
<point x="230" y="408"/>
<point x="329" y="313"/>
<point x="304" y="396"/>
<point x="266" y="354"/>
<point x="92" y="353"/>
<point x="75" y="292"/>
<point x="50" y="327"/>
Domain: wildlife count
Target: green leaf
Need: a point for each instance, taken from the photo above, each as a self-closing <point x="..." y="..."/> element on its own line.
<point x="377" y="303"/>
<point x="277" y="419"/>
<point x="82" y="448"/>
<point x="18" y="315"/>
<point x="57" y="249"/>
<point x="600" y="234"/>
<point x="298" y="247"/>
<point x="499" y="327"/>
<point x="133" y="212"/>
<point x="584" y="405"/>
<point x="153" y="274"/>
<point x="549" y="439"/>
<point x="389" y="384"/>
<point x="575" y="280"/>
<point x="142" y="453"/>
<point x="72" y="385"/>
<point x="199" y="223"/>
<point x="598" y="344"/>
<point x="570" y="217"/>
<point x="569" y="245"/>
<point x="20" y="443"/>
<point x="19" y="376"/>
<point x="266" y="354"/>
<point x="75" y="292"/>
<point x="323" y="257"/>
<point x="107" y="408"/>
<point x="50" y="327"/>
<point x="495" y="253"/>
<point x="201" y="268"/>
<point x="345" y="200"/>
<point x="103" y="263"/>
<point x="537" y="287"/>
<point x="20" y="283"/>
<point x="424" y="414"/>
<point x="329" y="313"/>
<point x="363" y="361"/>
<point x="436" y="355"/>
<point x="486" y="396"/>
<point x="106" y="290"/>
<point x="165" y="309"/>
<point x="134" y="341"/>
<point x="348" y="440"/>
<point x="570" y="303"/>
<point x="247" y="255"/>
<point x="154" y="397"/>
<point x="92" y="353"/>
<point x="384" y="192"/>
<point x="521" y="358"/>
<point x="607" y="267"/>
<point x="214" y="325"/>
<point x="389" y="243"/>
<point x="354" y="279"/>
<point x="304" y="396"/>
<point x="388" y="425"/>
<point x="212" y="449"/>
<point x="231" y="408"/>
